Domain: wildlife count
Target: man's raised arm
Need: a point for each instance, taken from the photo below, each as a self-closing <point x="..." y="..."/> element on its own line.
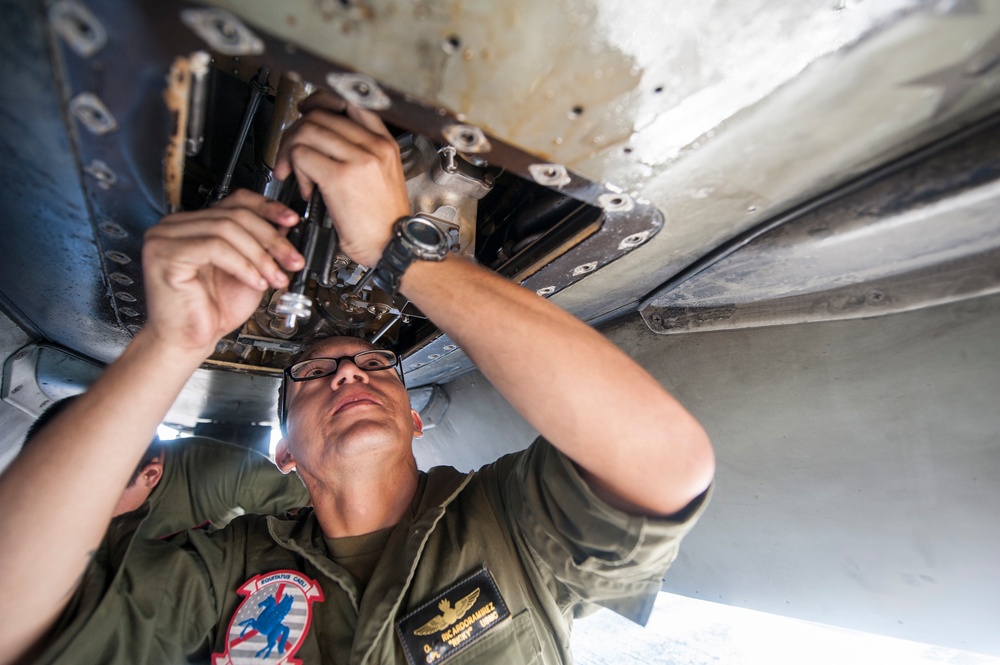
<point x="637" y="446"/>
<point x="205" y="272"/>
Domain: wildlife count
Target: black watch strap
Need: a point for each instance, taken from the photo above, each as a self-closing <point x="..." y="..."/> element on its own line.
<point x="390" y="268"/>
<point x="401" y="252"/>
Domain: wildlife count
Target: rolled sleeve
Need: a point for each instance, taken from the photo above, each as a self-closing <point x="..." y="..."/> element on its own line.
<point x="597" y="553"/>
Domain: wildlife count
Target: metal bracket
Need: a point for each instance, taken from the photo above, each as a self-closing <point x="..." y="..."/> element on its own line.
<point x="39" y="374"/>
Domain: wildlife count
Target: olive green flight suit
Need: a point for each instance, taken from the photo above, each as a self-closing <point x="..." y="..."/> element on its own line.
<point x="487" y="567"/>
<point x="206" y="483"/>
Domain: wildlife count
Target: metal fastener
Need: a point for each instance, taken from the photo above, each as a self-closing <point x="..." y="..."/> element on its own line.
<point x="112" y="229"/>
<point x="585" y="268"/>
<point x="102" y="173"/>
<point x="546" y="291"/>
<point x="93" y="114"/>
<point x="549" y="175"/>
<point x="117" y="257"/>
<point x="223" y="32"/>
<point x="633" y="240"/>
<point x="466" y="138"/>
<point x="359" y="90"/>
<point x="613" y="202"/>
<point x="81" y="31"/>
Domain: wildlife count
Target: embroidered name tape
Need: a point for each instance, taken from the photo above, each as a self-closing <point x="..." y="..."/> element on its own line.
<point x="452" y="620"/>
<point x="272" y="620"/>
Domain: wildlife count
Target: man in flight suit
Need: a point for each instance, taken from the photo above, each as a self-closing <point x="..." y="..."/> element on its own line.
<point x="392" y="565"/>
<point x="195" y="483"/>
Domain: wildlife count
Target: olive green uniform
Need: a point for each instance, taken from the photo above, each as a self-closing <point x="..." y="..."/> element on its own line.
<point x="489" y="566"/>
<point x="206" y="483"/>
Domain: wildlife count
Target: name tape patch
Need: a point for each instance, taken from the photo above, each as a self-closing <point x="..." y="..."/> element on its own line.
<point x="452" y="620"/>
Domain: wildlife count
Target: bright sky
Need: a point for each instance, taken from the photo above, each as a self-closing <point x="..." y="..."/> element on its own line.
<point x="685" y="631"/>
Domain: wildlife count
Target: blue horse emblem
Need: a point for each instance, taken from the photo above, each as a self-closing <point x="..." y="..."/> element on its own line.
<point x="269" y="624"/>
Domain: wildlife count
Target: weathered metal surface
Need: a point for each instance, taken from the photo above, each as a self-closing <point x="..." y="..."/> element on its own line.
<point x="130" y="102"/>
<point x="918" y="233"/>
<point x="862" y="104"/>
<point x="720" y="115"/>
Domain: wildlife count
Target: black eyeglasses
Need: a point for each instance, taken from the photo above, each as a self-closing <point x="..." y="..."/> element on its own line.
<point x="374" y="360"/>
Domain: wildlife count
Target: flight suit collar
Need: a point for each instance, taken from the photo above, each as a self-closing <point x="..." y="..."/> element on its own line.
<point x="395" y="570"/>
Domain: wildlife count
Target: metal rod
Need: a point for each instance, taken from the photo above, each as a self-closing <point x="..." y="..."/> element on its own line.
<point x="386" y="327"/>
<point x="258" y="88"/>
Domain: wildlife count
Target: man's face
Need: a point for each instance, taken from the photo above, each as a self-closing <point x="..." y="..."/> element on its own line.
<point x="349" y="416"/>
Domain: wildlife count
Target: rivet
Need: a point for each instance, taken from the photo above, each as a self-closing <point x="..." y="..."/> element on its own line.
<point x="117" y="257"/>
<point x="616" y="202"/>
<point x="112" y="229"/>
<point x="466" y="138"/>
<point x="93" y="114"/>
<point x="633" y="240"/>
<point x="549" y="175"/>
<point x="360" y="90"/>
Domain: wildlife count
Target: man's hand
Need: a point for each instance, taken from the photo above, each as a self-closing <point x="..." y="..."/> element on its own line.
<point x="207" y="270"/>
<point x="355" y="161"/>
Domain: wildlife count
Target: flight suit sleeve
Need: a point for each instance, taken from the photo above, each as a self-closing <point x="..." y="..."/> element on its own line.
<point x="588" y="551"/>
<point x="140" y="601"/>
<point x="227" y="481"/>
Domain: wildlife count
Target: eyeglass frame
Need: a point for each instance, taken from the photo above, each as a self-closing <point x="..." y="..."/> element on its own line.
<point x="286" y="376"/>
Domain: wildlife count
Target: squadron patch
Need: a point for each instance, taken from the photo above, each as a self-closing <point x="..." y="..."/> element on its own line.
<point x="271" y="622"/>
<point x="452" y="620"/>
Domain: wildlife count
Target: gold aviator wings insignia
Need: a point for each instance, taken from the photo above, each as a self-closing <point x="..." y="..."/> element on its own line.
<point x="449" y="614"/>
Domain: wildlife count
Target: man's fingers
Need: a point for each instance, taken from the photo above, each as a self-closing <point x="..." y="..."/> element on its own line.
<point x="269" y="209"/>
<point x="369" y="120"/>
<point x="322" y="99"/>
<point x="234" y="236"/>
<point x="183" y="259"/>
<point x="248" y="233"/>
<point x="335" y="137"/>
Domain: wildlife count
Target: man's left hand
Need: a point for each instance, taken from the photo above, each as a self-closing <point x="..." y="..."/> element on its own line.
<point x="354" y="159"/>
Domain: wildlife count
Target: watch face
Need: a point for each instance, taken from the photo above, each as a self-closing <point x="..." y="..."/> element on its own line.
<point x="424" y="233"/>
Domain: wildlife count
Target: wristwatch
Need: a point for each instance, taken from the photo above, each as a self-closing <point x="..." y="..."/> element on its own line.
<point x="413" y="238"/>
